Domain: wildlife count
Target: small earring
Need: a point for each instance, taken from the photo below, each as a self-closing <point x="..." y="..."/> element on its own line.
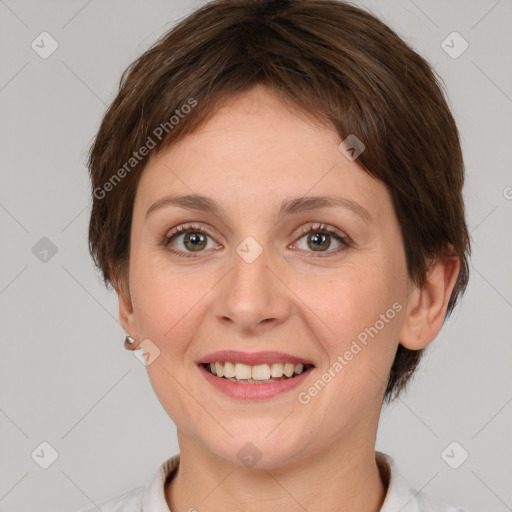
<point x="128" y="342"/>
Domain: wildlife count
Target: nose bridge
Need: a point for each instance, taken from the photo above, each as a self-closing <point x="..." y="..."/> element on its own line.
<point x="252" y="295"/>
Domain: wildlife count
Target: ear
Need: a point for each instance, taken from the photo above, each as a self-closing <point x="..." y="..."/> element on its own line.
<point x="427" y="305"/>
<point x="126" y="314"/>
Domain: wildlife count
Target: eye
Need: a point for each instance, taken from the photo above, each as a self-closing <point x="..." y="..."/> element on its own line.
<point x="319" y="239"/>
<point x="195" y="239"/>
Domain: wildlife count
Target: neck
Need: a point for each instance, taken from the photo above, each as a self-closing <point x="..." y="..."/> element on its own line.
<point x="342" y="477"/>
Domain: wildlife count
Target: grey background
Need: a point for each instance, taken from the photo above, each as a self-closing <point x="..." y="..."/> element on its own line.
<point x="64" y="375"/>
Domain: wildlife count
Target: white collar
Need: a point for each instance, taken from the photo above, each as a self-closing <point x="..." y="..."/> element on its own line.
<point x="154" y="495"/>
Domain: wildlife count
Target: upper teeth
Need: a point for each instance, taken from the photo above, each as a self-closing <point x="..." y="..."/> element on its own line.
<point x="257" y="372"/>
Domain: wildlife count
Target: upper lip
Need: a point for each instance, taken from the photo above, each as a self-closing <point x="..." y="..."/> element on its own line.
<point x="252" y="358"/>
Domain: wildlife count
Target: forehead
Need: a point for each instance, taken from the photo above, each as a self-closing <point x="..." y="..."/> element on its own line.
<point x="256" y="146"/>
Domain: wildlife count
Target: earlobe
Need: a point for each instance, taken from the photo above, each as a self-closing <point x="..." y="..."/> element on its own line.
<point x="427" y="305"/>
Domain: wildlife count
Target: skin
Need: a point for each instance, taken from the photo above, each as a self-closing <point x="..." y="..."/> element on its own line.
<point x="252" y="154"/>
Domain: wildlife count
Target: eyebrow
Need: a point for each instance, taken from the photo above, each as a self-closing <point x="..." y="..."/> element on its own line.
<point x="197" y="202"/>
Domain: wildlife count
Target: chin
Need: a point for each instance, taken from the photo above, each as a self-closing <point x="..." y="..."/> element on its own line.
<point x="258" y="449"/>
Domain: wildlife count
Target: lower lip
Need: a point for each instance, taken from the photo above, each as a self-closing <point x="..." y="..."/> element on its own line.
<point x="253" y="391"/>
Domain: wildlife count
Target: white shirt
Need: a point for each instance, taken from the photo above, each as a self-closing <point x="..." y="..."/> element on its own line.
<point x="151" y="498"/>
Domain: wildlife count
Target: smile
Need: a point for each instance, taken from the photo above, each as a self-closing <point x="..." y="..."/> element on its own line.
<point x="249" y="388"/>
<point x="257" y="374"/>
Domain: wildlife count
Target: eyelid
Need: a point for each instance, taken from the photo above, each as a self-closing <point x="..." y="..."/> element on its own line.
<point x="209" y="230"/>
<point x="320" y="226"/>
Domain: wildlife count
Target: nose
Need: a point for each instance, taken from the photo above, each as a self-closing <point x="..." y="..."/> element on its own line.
<point x="253" y="297"/>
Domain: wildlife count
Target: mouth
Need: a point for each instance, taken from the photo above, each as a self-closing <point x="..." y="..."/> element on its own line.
<point x="257" y="374"/>
<point x="254" y="375"/>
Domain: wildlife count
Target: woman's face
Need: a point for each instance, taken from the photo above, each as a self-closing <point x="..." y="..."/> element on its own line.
<point x="256" y="281"/>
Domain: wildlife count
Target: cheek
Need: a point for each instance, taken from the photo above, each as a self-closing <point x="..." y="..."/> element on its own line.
<point x="358" y="320"/>
<point x="168" y="306"/>
<point x="353" y="300"/>
<point x="164" y="305"/>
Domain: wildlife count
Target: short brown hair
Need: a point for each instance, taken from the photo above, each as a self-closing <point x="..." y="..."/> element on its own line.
<point x="335" y="62"/>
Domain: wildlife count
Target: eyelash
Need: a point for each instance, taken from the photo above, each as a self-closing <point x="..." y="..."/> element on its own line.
<point x="315" y="228"/>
